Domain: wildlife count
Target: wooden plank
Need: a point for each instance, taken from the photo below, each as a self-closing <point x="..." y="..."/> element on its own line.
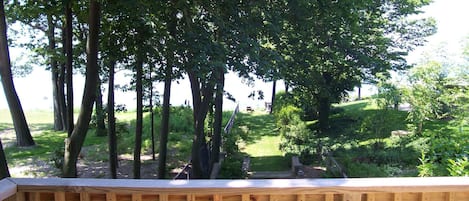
<point x="163" y="197"/>
<point x="329" y="197"/>
<point x="208" y="187"/>
<point x="217" y="197"/>
<point x="397" y="197"/>
<point x="370" y="197"/>
<point x="59" y="196"/>
<point x="35" y="196"/>
<point x="301" y="197"/>
<point x="21" y="196"/>
<point x="190" y="197"/>
<point x="245" y="197"/>
<point x="136" y="197"/>
<point x="111" y="197"/>
<point x="424" y="197"/>
<point x="84" y="196"/>
<point x="450" y="196"/>
<point x="7" y="189"/>
<point x="352" y="197"/>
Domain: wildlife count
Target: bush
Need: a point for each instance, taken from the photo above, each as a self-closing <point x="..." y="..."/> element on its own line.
<point x="288" y="115"/>
<point x="231" y="166"/>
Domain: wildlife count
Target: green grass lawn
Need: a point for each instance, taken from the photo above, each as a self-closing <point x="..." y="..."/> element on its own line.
<point x="262" y="142"/>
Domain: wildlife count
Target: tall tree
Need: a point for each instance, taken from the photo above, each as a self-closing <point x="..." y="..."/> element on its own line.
<point x="74" y="143"/>
<point x="217" y="123"/>
<point x="112" y="124"/>
<point x="68" y="46"/>
<point x="139" y="118"/>
<point x="59" y="124"/>
<point x="23" y="135"/>
<point x="330" y="46"/>
<point x="214" y="35"/>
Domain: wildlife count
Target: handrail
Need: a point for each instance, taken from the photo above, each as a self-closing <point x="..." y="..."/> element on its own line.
<point x="7" y="188"/>
<point x="403" y="184"/>
<point x="450" y="188"/>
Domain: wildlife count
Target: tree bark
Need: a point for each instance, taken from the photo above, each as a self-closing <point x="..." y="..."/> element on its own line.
<point x="61" y="87"/>
<point x="217" y="123"/>
<point x="23" y="135"/>
<point x="112" y="124"/>
<point x="324" y="107"/>
<point x="4" y="172"/>
<point x="164" y="132"/>
<point x="100" y="125"/>
<point x="139" y="119"/>
<point x="58" y="124"/>
<point x="359" y="93"/>
<point x="274" y="90"/>
<point x="74" y="143"/>
<point x="69" y="66"/>
<point x="152" y="117"/>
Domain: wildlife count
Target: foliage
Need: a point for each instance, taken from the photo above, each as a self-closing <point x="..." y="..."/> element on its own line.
<point x="231" y="165"/>
<point x="288" y="115"/>
<point x="446" y="154"/>
<point x="388" y="93"/>
<point x="459" y="166"/>
<point x="426" y="94"/>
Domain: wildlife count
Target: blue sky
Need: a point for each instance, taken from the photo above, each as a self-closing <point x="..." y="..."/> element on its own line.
<point x="35" y="90"/>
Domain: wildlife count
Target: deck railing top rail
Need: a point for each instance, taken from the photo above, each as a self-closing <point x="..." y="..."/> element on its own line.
<point x="11" y="186"/>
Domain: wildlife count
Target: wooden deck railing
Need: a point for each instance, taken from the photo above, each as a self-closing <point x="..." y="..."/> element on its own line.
<point x="371" y="189"/>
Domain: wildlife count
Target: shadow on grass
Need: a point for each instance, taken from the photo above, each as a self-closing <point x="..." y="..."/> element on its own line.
<point x="46" y="143"/>
<point x="361" y="125"/>
<point x="256" y="126"/>
<point x="270" y="163"/>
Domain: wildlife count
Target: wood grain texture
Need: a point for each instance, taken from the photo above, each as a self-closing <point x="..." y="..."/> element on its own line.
<point x="329" y="197"/>
<point x="84" y="196"/>
<point x="136" y="197"/>
<point x="20" y="196"/>
<point x="271" y="187"/>
<point x="450" y="196"/>
<point x="397" y="197"/>
<point x="111" y="197"/>
<point x="163" y="197"/>
<point x="370" y="197"/>
<point x="59" y="196"/>
<point x="352" y="197"/>
<point x="370" y="189"/>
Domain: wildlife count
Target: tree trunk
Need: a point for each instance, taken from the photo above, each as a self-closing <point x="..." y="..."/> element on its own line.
<point x="3" y="161"/>
<point x="58" y="124"/>
<point x="217" y="123"/>
<point x="359" y="93"/>
<point x="139" y="119"/>
<point x="287" y="87"/>
<point x="199" y="156"/>
<point x="69" y="66"/>
<point x="61" y="87"/>
<point x="112" y="124"/>
<point x="324" y="108"/>
<point x="152" y="117"/>
<point x="74" y="143"/>
<point x="164" y="132"/>
<point x="100" y="125"/>
<point x="23" y="135"/>
<point x="274" y="90"/>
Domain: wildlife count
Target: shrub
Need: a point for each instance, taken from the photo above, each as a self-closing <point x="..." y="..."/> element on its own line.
<point x="288" y="115"/>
